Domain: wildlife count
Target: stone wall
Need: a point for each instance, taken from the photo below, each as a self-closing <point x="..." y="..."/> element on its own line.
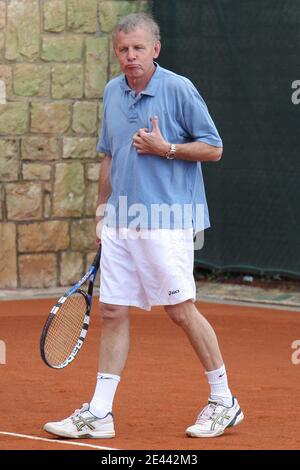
<point x="55" y="59"/>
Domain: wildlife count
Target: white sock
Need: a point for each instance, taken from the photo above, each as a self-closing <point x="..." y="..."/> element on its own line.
<point x="102" y="401"/>
<point x="219" y="389"/>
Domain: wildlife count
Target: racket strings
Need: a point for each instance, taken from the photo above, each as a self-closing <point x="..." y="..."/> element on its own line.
<point x="65" y="329"/>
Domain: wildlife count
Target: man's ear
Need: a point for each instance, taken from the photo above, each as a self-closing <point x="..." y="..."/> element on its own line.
<point x="157" y="48"/>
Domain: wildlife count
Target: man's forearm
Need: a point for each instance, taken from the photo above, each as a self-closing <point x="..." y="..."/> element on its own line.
<point x="198" y="152"/>
<point x="153" y="143"/>
<point x="103" y="194"/>
<point x="105" y="189"/>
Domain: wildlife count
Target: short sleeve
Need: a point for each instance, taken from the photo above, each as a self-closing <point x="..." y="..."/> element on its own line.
<point x="197" y="120"/>
<point x="103" y="145"/>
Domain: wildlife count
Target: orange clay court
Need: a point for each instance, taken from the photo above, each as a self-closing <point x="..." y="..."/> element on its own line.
<point x="163" y="386"/>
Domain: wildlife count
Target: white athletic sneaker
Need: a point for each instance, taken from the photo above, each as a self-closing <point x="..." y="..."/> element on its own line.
<point x="215" y="418"/>
<point x="82" y="423"/>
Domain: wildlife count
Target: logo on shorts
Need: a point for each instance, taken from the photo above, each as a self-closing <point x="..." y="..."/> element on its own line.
<point x="172" y="292"/>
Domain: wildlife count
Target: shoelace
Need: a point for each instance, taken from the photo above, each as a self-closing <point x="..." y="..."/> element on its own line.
<point x="207" y="413"/>
<point x="83" y="408"/>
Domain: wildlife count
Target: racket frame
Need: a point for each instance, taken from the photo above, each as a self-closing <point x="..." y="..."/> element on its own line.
<point x="91" y="274"/>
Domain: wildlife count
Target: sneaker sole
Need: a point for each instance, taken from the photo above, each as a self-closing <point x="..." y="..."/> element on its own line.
<point x="236" y="420"/>
<point x="82" y="435"/>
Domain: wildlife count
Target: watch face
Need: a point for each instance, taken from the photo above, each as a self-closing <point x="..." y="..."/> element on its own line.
<point x="170" y="155"/>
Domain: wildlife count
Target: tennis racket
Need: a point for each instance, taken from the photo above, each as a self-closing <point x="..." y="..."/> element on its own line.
<point x="67" y="324"/>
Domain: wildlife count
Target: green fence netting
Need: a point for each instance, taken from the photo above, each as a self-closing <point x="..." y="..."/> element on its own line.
<point x="244" y="56"/>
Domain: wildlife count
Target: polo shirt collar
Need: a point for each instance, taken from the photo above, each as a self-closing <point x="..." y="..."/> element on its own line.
<point x="152" y="86"/>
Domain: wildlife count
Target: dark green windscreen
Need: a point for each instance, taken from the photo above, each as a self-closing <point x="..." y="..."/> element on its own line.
<point x="243" y="56"/>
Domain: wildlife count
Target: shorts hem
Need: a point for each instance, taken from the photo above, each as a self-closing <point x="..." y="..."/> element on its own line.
<point x="124" y="303"/>
<point x="175" y="301"/>
<point x="135" y="303"/>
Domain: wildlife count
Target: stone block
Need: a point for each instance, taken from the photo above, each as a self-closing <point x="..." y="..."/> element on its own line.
<point x="31" y="80"/>
<point x="62" y="48"/>
<point x="91" y="197"/>
<point x="45" y="236"/>
<point x="47" y="206"/>
<point x="93" y="171"/>
<point x="9" y="160"/>
<point x="8" y="260"/>
<point x="2" y="14"/>
<point x="36" y="171"/>
<point x="6" y="77"/>
<point x="54" y="15"/>
<point x="96" y="66"/>
<point x="79" y="147"/>
<point x="71" y="268"/>
<point x="38" y="270"/>
<point x="82" y="16"/>
<point x="50" y="118"/>
<point x="24" y="201"/>
<point x="111" y="10"/>
<point x="67" y="81"/>
<point x="68" y="198"/>
<point x="23" y="30"/>
<point x="83" y="235"/>
<point x="40" y="148"/>
<point x="84" y="117"/>
<point x="13" y="118"/>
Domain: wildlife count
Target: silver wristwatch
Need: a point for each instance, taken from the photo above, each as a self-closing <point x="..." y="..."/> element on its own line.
<point x="170" y="155"/>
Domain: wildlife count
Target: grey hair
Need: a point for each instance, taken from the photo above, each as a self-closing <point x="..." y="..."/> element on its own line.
<point x="135" y="20"/>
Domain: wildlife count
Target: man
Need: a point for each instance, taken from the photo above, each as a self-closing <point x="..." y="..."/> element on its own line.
<point x="156" y="131"/>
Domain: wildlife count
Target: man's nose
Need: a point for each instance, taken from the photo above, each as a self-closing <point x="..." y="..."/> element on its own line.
<point x="131" y="54"/>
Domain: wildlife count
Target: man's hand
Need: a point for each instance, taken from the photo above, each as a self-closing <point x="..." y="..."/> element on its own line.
<point x="152" y="143"/>
<point x="99" y="228"/>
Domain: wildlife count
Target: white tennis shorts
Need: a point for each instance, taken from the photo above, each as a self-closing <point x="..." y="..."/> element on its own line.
<point x="147" y="267"/>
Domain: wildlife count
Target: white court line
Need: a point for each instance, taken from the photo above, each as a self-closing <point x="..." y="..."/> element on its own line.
<point x="34" y="438"/>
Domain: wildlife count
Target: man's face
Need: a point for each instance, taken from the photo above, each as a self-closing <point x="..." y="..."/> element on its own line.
<point x="135" y="52"/>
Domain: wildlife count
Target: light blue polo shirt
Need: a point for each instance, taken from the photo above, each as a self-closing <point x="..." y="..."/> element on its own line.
<point x="144" y="187"/>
